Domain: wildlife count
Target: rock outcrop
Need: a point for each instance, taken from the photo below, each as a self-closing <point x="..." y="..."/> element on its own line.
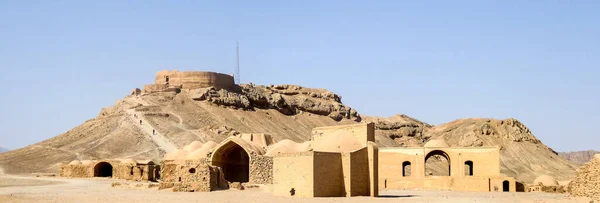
<point x="287" y="99"/>
<point x="587" y="180"/>
<point x="522" y="155"/>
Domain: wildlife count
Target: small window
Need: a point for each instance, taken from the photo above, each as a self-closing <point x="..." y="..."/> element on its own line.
<point x="468" y="168"/>
<point x="406" y="168"/>
<point x="192" y="170"/>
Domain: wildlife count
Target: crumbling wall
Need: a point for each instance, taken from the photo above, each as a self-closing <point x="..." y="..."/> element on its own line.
<point x="261" y="169"/>
<point x="161" y="88"/>
<point x="587" y="180"/>
<point x="136" y="172"/>
<point x="191" y="176"/>
<point x="77" y="171"/>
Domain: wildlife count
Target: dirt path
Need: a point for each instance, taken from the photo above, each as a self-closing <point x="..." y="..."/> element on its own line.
<point x="99" y="190"/>
<point x="157" y="137"/>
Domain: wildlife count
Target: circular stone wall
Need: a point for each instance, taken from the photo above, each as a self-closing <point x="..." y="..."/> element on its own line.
<point x="194" y="79"/>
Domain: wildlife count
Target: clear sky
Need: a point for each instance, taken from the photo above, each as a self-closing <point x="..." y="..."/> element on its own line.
<point x="536" y="61"/>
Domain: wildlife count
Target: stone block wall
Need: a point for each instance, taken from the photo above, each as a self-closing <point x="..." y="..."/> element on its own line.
<point x="191" y="176"/>
<point x="194" y="79"/>
<point x="261" y="169"/>
<point x="135" y="172"/>
<point x="77" y="171"/>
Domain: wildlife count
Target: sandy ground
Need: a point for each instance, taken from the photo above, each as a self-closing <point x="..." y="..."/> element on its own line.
<point x="61" y="190"/>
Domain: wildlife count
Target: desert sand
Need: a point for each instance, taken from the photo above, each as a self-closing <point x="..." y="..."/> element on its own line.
<point x="55" y="189"/>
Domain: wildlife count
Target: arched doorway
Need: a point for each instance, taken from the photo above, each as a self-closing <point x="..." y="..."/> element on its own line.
<point x="437" y="163"/>
<point x="103" y="169"/>
<point x="468" y="168"/>
<point x="505" y="186"/>
<point x="234" y="161"/>
<point x="406" y="168"/>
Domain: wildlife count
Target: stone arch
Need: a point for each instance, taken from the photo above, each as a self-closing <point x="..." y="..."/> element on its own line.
<point x="234" y="161"/>
<point x="406" y="169"/>
<point x="468" y="168"/>
<point x="505" y="186"/>
<point x="103" y="169"/>
<point x="437" y="163"/>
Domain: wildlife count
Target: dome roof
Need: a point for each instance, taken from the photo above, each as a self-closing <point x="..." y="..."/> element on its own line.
<point x="288" y="147"/>
<point x="179" y="154"/>
<point x="74" y="162"/>
<point x="193" y="146"/>
<point x="545" y="180"/>
<point x="85" y="162"/>
<point x="437" y="143"/>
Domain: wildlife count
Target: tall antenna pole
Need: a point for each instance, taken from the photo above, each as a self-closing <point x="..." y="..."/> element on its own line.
<point x="237" y="67"/>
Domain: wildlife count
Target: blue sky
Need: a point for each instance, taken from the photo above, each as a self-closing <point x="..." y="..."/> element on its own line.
<point x="537" y="61"/>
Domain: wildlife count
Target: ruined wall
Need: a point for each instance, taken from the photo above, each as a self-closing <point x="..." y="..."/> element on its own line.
<point x="587" y="180"/>
<point x="77" y="171"/>
<point x="130" y="171"/>
<point x="261" y="169"/>
<point x="191" y="176"/>
<point x="151" y="88"/>
<point x="126" y="171"/>
<point x="194" y="79"/>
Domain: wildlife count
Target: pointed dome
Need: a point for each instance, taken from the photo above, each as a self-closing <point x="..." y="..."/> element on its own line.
<point x="437" y="143"/>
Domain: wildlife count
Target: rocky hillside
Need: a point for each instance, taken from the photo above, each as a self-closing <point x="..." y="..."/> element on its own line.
<point x="580" y="157"/>
<point x="284" y="111"/>
<point x="522" y="155"/>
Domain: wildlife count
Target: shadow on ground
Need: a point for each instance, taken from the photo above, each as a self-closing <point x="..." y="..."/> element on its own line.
<point x="397" y="196"/>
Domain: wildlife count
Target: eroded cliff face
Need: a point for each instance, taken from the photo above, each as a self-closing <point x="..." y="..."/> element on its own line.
<point x="287" y="99"/>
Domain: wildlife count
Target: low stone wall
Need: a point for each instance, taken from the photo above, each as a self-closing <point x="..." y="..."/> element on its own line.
<point x="261" y="170"/>
<point x="152" y="88"/>
<point x="547" y="189"/>
<point x="77" y="171"/>
<point x="191" y="176"/>
<point x="120" y="170"/>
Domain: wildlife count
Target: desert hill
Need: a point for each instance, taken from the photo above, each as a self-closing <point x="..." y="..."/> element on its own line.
<point x="580" y="157"/>
<point x="284" y="111"/>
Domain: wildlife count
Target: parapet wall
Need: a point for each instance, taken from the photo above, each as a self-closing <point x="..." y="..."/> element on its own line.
<point x="194" y="79"/>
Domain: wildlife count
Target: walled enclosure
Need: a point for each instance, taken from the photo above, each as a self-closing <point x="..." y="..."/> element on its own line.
<point x="142" y="170"/>
<point x="173" y="80"/>
<point x="330" y="173"/>
<point x="471" y="169"/>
